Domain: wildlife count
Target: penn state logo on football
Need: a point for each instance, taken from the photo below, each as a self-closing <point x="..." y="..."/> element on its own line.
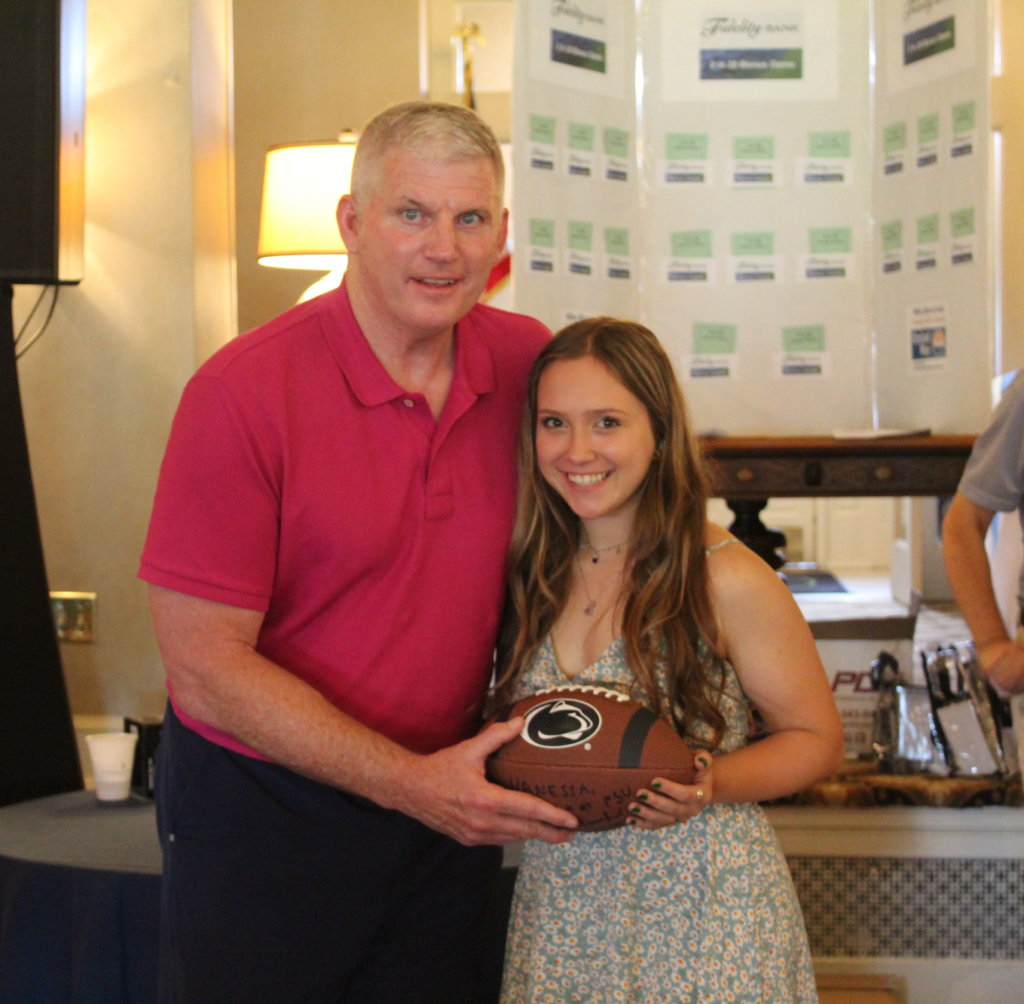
<point x="561" y="723"/>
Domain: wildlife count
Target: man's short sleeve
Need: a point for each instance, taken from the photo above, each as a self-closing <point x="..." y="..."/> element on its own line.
<point x="215" y="524"/>
<point x="994" y="476"/>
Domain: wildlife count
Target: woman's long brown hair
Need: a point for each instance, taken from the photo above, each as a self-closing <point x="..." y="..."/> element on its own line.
<point x="667" y="608"/>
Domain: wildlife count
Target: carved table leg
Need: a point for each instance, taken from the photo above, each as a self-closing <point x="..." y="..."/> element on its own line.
<point x="762" y="540"/>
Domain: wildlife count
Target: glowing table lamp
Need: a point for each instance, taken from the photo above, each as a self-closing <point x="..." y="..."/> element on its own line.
<point x="302" y="184"/>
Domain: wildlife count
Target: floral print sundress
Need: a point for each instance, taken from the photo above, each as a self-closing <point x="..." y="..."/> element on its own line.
<point x="698" y="913"/>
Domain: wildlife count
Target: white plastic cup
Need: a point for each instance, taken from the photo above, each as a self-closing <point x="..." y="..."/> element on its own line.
<point x="112" y="755"/>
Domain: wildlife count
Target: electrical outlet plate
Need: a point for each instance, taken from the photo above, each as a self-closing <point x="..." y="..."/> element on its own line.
<point x="73" y="615"/>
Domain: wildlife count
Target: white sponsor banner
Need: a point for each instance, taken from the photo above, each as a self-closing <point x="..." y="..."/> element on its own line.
<point x="963" y="144"/>
<point x="963" y="251"/>
<point x="579" y="163"/>
<point x="542" y="260"/>
<point x="615" y="168"/>
<point x="543" y="157"/>
<point x="752" y="50"/>
<point x="892" y="262"/>
<point x="926" y="257"/>
<point x="617" y="266"/>
<point x="685" y="172"/>
<point x="752" y="173"/>
<point x="701" y="270"/>
<point x="926" y="40"/>
<point x="710" y="367"/>
<point x="755" y="268"/>
<point x="579" y="263"/>
<point x="579" y="44"/>
<point x="819" y="171"/>
<point x="824" y="268"/>
<point x="801" y="365"/>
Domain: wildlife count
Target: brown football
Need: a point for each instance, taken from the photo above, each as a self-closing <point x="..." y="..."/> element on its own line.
<point x="588" y="750"/>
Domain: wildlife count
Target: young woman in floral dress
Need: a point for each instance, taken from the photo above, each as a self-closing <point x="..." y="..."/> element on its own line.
<point x="617" y="579"/>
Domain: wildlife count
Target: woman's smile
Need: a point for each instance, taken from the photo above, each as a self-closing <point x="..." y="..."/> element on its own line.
<point x="594" y="442"/>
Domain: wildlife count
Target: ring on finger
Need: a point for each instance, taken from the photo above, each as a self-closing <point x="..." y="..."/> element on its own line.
<point x="700" y="795"/>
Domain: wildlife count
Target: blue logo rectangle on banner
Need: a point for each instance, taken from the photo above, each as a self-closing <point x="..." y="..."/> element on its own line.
<point x="576" y="50"/>
<point x="929" y="40"/>
<point x="928" y="343"/>
<point x="751" y="64"/>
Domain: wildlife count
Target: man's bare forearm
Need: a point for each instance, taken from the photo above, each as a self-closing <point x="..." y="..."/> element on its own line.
<point x="219" y="678"/>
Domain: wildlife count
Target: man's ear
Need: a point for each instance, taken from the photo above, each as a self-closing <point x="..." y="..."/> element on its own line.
<point x="503" y="233"/>
<point x="348" y="222"/>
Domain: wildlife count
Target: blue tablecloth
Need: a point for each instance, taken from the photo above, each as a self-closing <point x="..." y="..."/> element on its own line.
<point x="80" y="904"/>
<point x="79" y="901"/>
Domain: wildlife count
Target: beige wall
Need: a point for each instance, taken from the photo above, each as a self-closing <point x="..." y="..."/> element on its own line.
<point x="442" y="16"/>
<point x="1008" y="117"/>
<point x="307" y="69"/>
<point x="100" y="387"/>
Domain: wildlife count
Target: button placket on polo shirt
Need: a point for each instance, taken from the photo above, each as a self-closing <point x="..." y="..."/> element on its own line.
<point x="440" y="489"/>
<point x="439" y="499"/>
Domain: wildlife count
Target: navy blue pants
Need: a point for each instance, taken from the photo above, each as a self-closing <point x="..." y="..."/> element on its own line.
<point x="280" y="890"/>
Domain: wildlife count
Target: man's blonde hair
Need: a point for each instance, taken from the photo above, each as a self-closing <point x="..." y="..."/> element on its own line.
<point x="434" y="131"/>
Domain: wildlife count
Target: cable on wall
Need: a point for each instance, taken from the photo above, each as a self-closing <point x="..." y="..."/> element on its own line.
<point x="23" y="344"/>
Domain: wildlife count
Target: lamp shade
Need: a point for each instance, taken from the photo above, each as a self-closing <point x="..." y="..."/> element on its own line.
<point x="302" y="184"/>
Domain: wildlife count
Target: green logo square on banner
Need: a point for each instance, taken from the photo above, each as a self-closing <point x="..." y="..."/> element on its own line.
<point x="616" y="240"/>
<point x="714" y="339"/>
<point x="928" y="128"/>
<point x="580" y="233"/>
<point x="753" y="147"/>
<point x="831" y="240"/>
<point x="581" y="136"/>
<point x="805" y="338"/>
<point x="928" y="229"/>
<point x="686" y="146"/>
<point x="542" y="129"/>
<point x="829" y="144"/>
<point x="961" y="222"/>
<point x="691" y="244"/>
<point x="756" y="242"/>
<point x="963" y="117"/>
<point x="892" y="235"/>
<point x="616" y="142"/>
<point x="542" y="233"/>
<point x="894" y="137"/>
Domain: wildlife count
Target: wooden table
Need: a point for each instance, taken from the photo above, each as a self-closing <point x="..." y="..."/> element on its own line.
<point x="752" y="467"/>
<point x="748" y="470"/>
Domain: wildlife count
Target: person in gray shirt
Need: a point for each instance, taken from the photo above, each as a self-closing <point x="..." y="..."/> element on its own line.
<point x="993" y="481"/>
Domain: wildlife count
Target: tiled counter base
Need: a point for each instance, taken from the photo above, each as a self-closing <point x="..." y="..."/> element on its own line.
<point x="932" y="895"/>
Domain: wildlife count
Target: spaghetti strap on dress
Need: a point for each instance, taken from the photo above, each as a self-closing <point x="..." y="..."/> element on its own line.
<point x="722" y="543"/>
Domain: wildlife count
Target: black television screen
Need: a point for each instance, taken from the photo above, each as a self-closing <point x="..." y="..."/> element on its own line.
<point x="42" y="140"/>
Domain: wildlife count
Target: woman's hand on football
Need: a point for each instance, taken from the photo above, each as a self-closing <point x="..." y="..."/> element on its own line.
<point x="666" y="803"/>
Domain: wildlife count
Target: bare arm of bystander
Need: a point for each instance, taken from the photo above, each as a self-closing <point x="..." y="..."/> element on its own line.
<point x="970" y="575"/>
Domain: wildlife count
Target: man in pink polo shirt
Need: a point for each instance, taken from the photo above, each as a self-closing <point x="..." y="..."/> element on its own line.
<point x="326" y="567"/>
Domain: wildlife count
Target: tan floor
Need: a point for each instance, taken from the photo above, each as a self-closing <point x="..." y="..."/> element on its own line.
<point x="838" y="989"/>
